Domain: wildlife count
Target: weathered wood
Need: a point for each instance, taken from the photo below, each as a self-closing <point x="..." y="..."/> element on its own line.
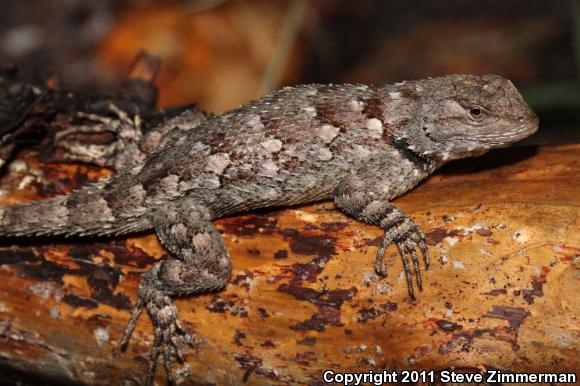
<point x="304" y="297"/>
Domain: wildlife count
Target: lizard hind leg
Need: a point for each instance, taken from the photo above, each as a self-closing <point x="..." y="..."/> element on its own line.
<point x="199" y="263"/>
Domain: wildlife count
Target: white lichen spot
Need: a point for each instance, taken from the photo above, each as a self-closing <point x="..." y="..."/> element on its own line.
<point x="564" y="340"/>
<point x="306" y="216"/>
<point x="272" y="144"/>
<point x="43" y="290"/>
<point x="378" y="350"/>
<point x="447" y="218"/>
<point x="448" y="313"/>
<point x="474" y="228"/>
<point x="367" y="278"/>
<point x="521" y="236"/>
<point x="443" y="258"/>
<point x="327" y="133"/>
<point x="362" y="347"/>
<point x="451" y="241"/>
<point x="101" y="335"/>
<point x="458" y="264"/>
<point x="375" y="127"/>
<point x="370" y="361"/>
<point x="485" y="252"/>
<point x="384" y="288"/>
<point x="217" y="163"/>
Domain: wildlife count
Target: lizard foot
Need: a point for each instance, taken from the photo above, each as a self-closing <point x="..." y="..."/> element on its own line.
<point x="169" y="333"/>
<point x="407" y="236"/>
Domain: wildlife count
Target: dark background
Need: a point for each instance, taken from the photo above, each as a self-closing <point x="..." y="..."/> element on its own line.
<point x="222" y="53"/>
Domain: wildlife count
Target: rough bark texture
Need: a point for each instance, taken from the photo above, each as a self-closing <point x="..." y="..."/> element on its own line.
<point x="304" y="297"/>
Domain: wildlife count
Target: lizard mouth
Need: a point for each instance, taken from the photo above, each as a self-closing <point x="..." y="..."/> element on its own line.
<point x="512" y="135"/>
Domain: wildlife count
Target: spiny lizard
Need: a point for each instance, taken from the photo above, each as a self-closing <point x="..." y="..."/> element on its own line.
<point x="359" y="145"/>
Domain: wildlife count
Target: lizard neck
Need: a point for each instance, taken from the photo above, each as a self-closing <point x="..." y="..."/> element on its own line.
<point x="421" y="162"/>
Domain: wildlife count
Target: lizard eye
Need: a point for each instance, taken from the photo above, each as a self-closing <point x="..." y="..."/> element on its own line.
<point x="476" y="113"/>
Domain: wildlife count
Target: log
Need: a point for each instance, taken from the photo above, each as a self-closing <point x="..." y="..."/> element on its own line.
<point x="304" y="297"/>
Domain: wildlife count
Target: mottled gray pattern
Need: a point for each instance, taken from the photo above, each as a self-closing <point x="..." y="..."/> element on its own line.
<point x="359" y="145"/>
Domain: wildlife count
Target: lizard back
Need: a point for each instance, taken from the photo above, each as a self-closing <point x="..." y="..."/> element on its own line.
<point x="291" y="147"/>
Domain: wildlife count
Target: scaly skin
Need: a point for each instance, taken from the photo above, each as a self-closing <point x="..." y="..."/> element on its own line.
<point x="359" y="145"/>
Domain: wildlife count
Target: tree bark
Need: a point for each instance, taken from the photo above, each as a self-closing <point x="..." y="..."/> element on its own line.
<point x="304" y="297"/>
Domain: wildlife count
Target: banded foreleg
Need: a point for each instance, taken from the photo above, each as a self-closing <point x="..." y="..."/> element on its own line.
<point x="369" y="202"/>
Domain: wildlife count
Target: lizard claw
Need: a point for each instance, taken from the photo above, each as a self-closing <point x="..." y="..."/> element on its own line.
<point x="408" y="237"/>
<point x="170" y="335"/>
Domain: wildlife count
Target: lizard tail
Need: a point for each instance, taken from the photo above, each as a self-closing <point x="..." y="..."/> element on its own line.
<point x="86" y="212"/>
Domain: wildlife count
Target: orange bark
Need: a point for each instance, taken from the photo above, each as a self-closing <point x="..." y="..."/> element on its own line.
<point x="304" y="297"/>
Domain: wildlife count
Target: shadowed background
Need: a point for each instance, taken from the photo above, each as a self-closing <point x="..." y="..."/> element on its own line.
<point x="220" y="53"/>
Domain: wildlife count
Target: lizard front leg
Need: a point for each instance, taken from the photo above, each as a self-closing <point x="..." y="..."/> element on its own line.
<point x="365" y="197"/>
<point x="200" y="263"/>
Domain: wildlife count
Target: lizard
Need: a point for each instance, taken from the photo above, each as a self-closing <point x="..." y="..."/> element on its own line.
<point x="359" y="145"/>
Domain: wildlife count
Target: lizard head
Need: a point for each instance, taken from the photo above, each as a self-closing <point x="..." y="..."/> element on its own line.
<point x="459" y="116"/>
